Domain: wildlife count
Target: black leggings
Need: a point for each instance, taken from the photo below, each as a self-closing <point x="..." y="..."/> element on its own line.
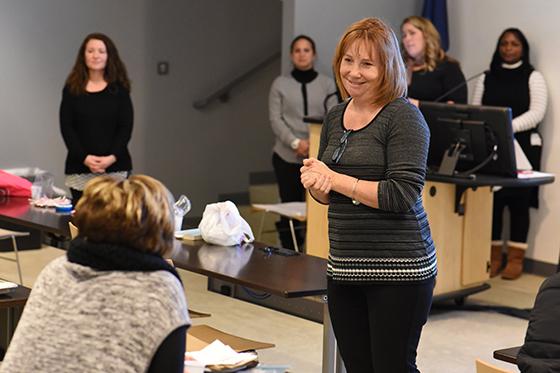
<point x="518" y="201"/>
<point x="76" y="195"/>
<point x="377" y="327"/>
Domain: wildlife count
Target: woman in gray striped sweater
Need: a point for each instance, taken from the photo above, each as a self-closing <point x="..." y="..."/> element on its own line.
<point x="370" y="171"/>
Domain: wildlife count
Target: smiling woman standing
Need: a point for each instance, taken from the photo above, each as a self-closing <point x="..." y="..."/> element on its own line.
<point x="96" y="115"/>
<point x="432" y="74"/>
<point x="370" y="171"/>
<point x="514" y="82"/>
<point x="303" y="93"/>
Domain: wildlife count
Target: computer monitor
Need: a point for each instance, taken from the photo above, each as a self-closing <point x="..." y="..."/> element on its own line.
<point x="469" y="139"/>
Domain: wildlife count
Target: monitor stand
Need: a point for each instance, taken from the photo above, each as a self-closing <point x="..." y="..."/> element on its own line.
<point x="449" y="162"/>
<point x="450" y="159"/>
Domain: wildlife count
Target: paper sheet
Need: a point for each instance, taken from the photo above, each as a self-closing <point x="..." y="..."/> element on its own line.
<point x="217" y="353"/>
<point x="520" y="157"/>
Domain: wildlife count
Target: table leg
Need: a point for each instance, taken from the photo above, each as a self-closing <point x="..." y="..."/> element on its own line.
<point x="10" y="315"/>
<point x="294" y="240"/>
<point x="332" y="361"/>
<point x="14" y="243"/>
<point x="261" y="225"/>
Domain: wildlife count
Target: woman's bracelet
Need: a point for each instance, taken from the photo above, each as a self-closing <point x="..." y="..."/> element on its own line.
<point x="356" y="203"/>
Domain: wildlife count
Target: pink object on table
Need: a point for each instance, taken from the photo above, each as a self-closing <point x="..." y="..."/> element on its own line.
<point x="14" y="186"/>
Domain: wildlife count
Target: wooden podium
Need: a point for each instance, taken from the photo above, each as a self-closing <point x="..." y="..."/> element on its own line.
<point x="460" y="216"/>
<point x="317" y="236"/>
<point x="462" y="238"/>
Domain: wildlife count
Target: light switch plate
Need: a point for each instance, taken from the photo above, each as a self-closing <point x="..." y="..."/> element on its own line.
<point x="163" y="68"/>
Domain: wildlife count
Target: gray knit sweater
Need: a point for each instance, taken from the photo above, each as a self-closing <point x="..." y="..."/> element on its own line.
<point x="79" y="319"/>
<point x="391" y="243"/>
<point x="285" y="105"/>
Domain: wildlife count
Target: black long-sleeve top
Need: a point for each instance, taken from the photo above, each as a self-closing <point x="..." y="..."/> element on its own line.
<point x="431" y="85"/>
<point x="98" y="123"/>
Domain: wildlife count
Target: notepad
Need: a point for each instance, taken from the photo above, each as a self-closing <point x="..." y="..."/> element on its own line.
<point x="219" y="357"/>
<point x="7" y="287"/>
<point x="521" y="159"/>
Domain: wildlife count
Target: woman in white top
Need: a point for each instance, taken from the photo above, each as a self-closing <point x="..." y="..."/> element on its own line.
<point x="513" y="82"/>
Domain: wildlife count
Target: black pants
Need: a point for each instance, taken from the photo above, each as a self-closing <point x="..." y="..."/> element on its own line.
<point x="291" y="190"/>
<point x="377" y="327"/>
<point x="76" y="195"/>
<point x="518" y="201"/>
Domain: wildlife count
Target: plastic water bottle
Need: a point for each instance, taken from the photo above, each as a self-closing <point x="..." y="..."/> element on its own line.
<point x="181" y="208"/>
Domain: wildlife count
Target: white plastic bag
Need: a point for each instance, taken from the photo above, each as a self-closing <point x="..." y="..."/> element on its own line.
<point x="221" y="224"/>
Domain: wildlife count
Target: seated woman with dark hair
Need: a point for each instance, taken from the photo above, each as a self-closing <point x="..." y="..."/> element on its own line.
<point x="112" y="303"/>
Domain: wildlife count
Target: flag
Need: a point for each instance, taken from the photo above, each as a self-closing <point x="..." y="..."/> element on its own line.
<point x="436" y="11"/>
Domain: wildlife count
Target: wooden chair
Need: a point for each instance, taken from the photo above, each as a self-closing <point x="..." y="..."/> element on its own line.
<point x="73" y="230"/>
<point x="290" y="210"/>
<point x="484" y="367"/>
<point x="7" y="234"/>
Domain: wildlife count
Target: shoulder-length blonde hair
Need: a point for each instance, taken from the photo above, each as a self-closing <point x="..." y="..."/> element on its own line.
<point x="433" y="53"/>
<point x="381" y="40"/>
<point x="135" y="212"/>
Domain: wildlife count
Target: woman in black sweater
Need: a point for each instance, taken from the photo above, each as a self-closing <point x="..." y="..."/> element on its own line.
<point x="514" y="82"/>
<point x="96" y="115"/>
<point x="432" y="74"/>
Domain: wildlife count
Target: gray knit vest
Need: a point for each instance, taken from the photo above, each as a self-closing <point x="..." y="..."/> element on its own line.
<point x="79" y="319"/>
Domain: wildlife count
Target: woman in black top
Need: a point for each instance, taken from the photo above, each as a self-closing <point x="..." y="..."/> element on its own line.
<point x="96" y="114"/>
<point x="514" y="82"/>
<point x="432" y="74"/>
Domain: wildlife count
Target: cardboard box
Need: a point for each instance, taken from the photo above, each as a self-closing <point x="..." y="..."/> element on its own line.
<point x="196" y="314"/>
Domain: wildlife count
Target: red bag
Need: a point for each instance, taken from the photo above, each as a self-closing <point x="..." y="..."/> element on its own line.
<point x="14" y="186"/>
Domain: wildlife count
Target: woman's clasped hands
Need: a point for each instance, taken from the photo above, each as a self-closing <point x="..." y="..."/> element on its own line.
<point x="98" y="164"/>
<point x="316" y="176"/>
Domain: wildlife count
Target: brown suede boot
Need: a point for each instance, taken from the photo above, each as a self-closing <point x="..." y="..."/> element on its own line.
<point x="514" y="266"/>
<point x="495" y="260"/>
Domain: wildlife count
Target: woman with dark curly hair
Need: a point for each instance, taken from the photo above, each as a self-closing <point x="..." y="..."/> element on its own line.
<point x="96" y="114"/>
